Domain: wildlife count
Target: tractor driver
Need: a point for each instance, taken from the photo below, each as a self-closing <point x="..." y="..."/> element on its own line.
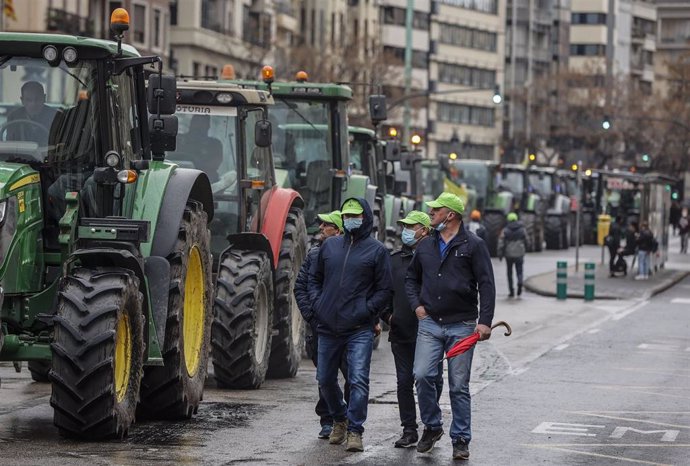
<point x="33" y="120"/>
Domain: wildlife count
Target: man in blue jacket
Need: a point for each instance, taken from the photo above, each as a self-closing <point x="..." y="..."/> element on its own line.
<point x="449" y="277"/>
<point x="331" y="225"/>
<point x="349" y="286"/>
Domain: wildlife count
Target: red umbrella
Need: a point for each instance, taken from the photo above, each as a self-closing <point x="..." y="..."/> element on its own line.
<point x="468" y="342"/>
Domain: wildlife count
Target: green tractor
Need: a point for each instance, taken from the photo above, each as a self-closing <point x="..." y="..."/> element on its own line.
<point x="553" y="188"/>
<point x="258" y="234"/>
<point x="106" y="264"/>
<point x="311" y="145"/>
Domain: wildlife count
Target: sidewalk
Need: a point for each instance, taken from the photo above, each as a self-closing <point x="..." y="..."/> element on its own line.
<point x="605" y="287"/>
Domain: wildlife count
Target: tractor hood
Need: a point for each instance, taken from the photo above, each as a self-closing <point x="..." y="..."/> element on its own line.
<point x="14" y="176"/>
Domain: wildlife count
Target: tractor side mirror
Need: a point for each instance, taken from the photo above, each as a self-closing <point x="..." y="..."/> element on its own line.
<point x="392" y="153"/>
<point x="161" y="94"/>
<point x="163" y="135"/>
<point x="377" y="109"/>
<point x="262" y="133"/>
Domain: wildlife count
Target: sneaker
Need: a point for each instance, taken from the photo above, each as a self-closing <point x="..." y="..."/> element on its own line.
<point x="429" y="439"/>
<point x="461" y="450"/>
<point x="326" y="430"/>
<point x="408" y="439"/>
<point x="519" y="290"/>
<point x="338" y="434"/>
<point x="354" y="442"/>
<point x="638" y="277"/>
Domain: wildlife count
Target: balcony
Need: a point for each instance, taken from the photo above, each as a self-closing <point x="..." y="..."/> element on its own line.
<point x="62" y="21"/>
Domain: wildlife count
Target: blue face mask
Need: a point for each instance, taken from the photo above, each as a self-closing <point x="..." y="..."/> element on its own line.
<point x="351" y="224"/>
<point x="408" y="238"/>
<point x="441" y="226"/>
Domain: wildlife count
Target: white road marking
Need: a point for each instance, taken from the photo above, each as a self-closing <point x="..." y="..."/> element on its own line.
<point x="680" y="301"/>
<point x="629" y="311"/>
<point x="561" y="347"/>
<point x="594" y="330"/>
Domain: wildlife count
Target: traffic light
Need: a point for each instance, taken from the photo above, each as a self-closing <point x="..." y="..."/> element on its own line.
<point x="606" y="123"/>
<point x="674" y="195"/>
<point x="645" y="158"/>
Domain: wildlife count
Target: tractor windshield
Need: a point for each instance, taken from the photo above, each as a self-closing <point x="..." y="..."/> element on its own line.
<point x="474" y="175"/>
<point x="511" y="181"/>
<point x="541" y="183"/>
<point x="48" y="114"/>
<point x="432" y="179"/>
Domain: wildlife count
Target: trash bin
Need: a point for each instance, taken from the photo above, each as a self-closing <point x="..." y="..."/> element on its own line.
<point x="603" y="227"/>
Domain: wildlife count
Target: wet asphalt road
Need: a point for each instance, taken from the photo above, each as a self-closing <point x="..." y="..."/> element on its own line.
<point x="600" y="383"/>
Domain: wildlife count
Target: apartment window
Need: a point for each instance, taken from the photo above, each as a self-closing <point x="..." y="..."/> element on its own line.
<point x="212" y="15"/>
<point x="588" y="18"/>
<point x="173" y="13"/>
<point x="485" y="6"/>
<point x="211" y="71"/>
<point x="587" y="50"/>
<point x="157" y="28"/>
<point x="466" y="114"/>
<point x="139" y="32"/>
<point x="466" y="76"/>
<point x="396" y="16"/>
<point x="196" y="69"/>
<point x="397" y="54"/>
<point x="463" y="36"/>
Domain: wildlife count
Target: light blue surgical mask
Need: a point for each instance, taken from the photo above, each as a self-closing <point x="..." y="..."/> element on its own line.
<point x="351" y="224"/>
<point x="408" y="237"/>
<point x="441" y="226"/>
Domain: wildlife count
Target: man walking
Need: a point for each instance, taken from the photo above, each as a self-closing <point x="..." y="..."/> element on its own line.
<point x="331" y="225"/>
<point x="683" y="230"/>
<point x="645" y="247"/>
<point x="350" y="285"/>
<point x="446" y="276"/>
<point x="403" y="326"/>
<point x="512" y="244"/>
<point x="475" y="225"/>
<point x="613" y="243"/>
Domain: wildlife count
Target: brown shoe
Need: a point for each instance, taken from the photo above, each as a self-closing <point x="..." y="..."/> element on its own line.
<point x="354" y="442"/>
<point x="338" y="435"/>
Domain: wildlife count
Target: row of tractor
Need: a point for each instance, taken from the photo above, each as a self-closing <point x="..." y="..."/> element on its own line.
<point x="149" y="223"/>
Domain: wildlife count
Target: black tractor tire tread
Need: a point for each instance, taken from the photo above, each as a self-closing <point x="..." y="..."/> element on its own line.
<point x="285" y="354"/>
<point x="39" y="371"/>
<point x="168" y="392"/>
<point x="233" y="335"/>
<point x="493" y="224"/>
<point x="83" y="391"/>
<point x="552" y="232"/>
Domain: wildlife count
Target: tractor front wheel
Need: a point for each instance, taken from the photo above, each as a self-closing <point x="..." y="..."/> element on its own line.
<point x="174" y="390"/>
<point x="493" y="224"/>
<point x="288" y="343"/>
<point x="98" y="351"/>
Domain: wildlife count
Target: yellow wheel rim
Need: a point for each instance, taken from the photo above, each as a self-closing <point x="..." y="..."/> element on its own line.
<point x="194" y="312"/>
<point x="123" y="357"/>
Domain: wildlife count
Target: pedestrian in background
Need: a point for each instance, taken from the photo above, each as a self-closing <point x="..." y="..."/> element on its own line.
<point x="512" y="244"/>
<point x="403" y="326"/>
<point x="645" y="247"/>
<point x="331" y="225"/>
<point x="449" y="276"/>
<point x="475" y="224"/>
<point x="350" y="285"/>
<point x="683" y="231"/>
<point x="613" y="243"/>
<point x="674" y="216"/>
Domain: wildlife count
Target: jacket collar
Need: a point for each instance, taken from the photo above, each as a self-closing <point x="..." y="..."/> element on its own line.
<point x="460" y="236"/>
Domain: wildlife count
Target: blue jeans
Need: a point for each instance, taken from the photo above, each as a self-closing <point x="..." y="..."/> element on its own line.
<point x="357" y="349"/>
<point x="643" y="263"/>
<point x="432" y="341"/>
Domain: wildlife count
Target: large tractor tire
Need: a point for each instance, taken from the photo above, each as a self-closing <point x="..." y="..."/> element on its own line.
<point x="573" y="229"/>
<point x="552" y="232"/>
<point x="241" y="342"/>
<point x="588" y="227"/>
<point x="529" y="222"/>
<point x="174" y="390"/>
<point x="288" y="343"/>
<point x="565" y="231"/>
<point x="493" y="224"/>
<point x="39" y="371"/>
<point x="98" y="351"/>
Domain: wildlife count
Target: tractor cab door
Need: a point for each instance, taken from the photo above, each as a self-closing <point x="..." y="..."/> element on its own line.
<point x="258" y="172"/>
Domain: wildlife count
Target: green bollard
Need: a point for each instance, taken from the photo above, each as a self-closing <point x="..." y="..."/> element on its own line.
<point x="561" y="280"/>
<point x="589" y="281"/>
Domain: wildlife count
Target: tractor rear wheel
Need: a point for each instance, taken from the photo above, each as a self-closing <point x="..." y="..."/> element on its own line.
<point x="288" y="343"/>
<point x="174" y="390"/>
<point x="241" y="342"/>
<point x="552" y="232"/>
<point x="39" y="371"/>
<point x="98" y="351"/>
<point x="493" y="224"/>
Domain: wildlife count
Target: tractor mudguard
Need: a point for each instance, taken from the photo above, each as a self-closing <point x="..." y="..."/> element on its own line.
<point x="248" y="242"/>
<point x="109" y="257"/>
<point x="184" y="184"/>
<point x="157" y="271"/>
<point x="275" y="214"/>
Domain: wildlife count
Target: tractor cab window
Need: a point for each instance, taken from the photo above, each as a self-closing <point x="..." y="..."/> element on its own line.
<point x="512" y="181"/>
<point x="358" y="149"/>
<point x="123" y="117"/>
<point x="541" y="184"/>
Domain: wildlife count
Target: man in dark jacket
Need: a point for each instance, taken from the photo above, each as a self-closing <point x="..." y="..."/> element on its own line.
<point x="512" y="244"/>
<point x="331" y="225"/>
<point x="645" y="248"/>
<point x="449" y="277"/>
<point x="349" y="286"/>
<point x="613" y="242"/>
<point x="403" y="326"/>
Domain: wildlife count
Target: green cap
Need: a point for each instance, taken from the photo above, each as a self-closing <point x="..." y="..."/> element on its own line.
<point x="352" y="207"/>
<point x="415" y="217"/>
<point x="512" y="217"/>
<point x="448" y="200"/>
<point x="334" y="218"/>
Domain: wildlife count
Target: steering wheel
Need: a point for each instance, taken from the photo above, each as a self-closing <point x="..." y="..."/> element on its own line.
<point x="3" y="129"/>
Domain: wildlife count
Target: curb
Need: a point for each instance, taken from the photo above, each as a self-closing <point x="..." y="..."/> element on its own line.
<point x="661" y="287"/>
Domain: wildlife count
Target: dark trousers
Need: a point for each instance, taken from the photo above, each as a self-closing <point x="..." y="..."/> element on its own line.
<point x="403" y="354"/>
<point x="517" y="262"/>
<point x="613" y="253"/>
<point x="321" y="406"/>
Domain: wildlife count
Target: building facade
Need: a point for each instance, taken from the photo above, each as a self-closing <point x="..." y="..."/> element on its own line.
<point x="673" y="39"/>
